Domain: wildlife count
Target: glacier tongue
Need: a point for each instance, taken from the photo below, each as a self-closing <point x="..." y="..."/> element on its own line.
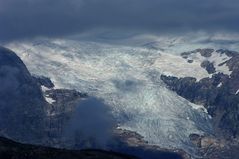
<point x="126" y="79"/>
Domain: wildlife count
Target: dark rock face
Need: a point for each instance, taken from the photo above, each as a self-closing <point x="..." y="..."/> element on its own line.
<point x="60" y="112"/>
<point x="22" y="104"/>
<point x="64" y="95"/>
<point x="196" y="139"/>
<point x="208" y="66"/>
<point x="227" y="52"/>
<point x="217" y="94"/>
<point x="25" y="115"/>
<point x="44" y="81"/>
<point x="220" y="95"/>
<point x="203" y="52"/>
<point x="206" y="52"/>
<point x="13" y="150"/>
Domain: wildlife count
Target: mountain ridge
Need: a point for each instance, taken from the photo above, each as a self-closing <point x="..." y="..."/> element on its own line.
<point x="219" y="95"/>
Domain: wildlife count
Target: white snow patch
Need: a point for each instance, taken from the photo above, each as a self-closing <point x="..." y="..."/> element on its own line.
<point x="237" y="91"/>
<point x="44" y="89"/>
<point x="216" y="58"/>
<point x="175" y="65"/>
<point x="219" y="85"/>
<point x="49" y="100"/>
<point x="199" y="107"/>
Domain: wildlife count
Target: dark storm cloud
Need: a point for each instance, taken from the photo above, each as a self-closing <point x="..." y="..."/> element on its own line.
<point x="27" y="18"/>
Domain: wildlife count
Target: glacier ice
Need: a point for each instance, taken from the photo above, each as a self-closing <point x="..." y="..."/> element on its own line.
<point x="127" y="79"/>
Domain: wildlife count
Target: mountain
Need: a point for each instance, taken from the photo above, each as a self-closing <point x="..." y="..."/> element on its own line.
<point x="40" y="114"/>
<point x="25" y="112"/>
<point x="173" y="101"/>
<point x="218" y="93"/>
<point x="22" y="103"/>
<point x="127" y="80"/>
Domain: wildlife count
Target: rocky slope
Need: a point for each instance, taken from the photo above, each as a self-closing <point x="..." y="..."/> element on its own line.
<point x="26" y="115"/>
<point x="22" y="104"/>
<point x="218" y="93"/>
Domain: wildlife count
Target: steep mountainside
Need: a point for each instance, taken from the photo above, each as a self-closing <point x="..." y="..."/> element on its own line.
<point x="22" y="104"/>
<point x="220" y="96"/>
<point x="28" y="112"/>
<point x="218" y="93"/>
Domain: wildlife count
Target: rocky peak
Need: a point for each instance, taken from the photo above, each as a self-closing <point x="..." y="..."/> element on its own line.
<point x="22" y="103"/>
<point x="203" y="52"/>
<point x="44" y="81"/>
<point x="208" y="66"/>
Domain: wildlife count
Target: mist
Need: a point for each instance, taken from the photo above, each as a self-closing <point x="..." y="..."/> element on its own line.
<point x="91" y="125"/>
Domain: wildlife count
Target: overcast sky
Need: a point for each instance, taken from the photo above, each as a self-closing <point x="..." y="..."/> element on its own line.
<point x="30" y="18"/>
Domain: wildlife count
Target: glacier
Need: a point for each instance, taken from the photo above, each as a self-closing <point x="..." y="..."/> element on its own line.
<point x="127" y="78"/>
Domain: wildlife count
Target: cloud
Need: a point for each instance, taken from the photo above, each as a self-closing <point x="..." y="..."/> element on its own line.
<point x="91" y="125"/>
<point x="29" y="18"/>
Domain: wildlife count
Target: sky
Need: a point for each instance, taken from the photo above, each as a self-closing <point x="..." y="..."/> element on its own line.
<point x="21" y="19"/>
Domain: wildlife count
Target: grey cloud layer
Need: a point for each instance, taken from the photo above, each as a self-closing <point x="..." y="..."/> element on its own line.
<point x="28" y="18"/>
